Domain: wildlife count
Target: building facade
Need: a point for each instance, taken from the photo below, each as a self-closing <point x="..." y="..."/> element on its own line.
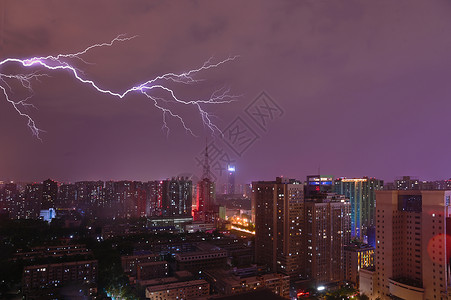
<point x="362" y="196"/>
<point x="278" y="225"/>
<point x="326" y="232"/>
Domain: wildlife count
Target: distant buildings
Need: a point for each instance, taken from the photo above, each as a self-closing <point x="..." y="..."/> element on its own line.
<point x="412" y="246"/>
<point x="230" y="187"/>
<point x="177" y="197"/>
<point x="49" y="194"/>
<point x="408" y="183"/>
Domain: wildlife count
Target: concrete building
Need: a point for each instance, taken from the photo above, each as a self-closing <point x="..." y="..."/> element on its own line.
<point x="130" y="262"/>
<point x="227" y="283"/>
<point x="178" y="290"/>
<point x="151" y="270"/>
<point x="38" y="277"/>
<point x="205" y="257"/>
<point x="412" y="245"/>
<point x="278" y="225"/>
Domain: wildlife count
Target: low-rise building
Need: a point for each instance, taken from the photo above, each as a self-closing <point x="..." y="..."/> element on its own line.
<point x="130" y="262"/>
<point x="206" y="257"/>
<point x="150" y="270"/>
<point x="40" y="277"/>
<point x="227" y="283"/>
<point x="178" y="290"/>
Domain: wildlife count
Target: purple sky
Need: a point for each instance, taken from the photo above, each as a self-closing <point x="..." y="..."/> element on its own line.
<point x="365" y="87"/>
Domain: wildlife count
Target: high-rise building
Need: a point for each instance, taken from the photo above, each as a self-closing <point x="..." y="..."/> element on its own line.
<point x="177" y="197"/>
<point x="278" y="225"/>
<point x="33" y="198"/>
<point x="67" y="196"/>
<point x="155" y="198"/>
<point x="9" y="200"/>
<point x="230" y="179"/>
<point x="326" y="231"/>
<point x="412" y="250"/>
<point x="362" y="195"/>
<point x="49" y="194"/>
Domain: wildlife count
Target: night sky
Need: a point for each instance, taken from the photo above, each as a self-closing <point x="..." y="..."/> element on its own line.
<point x="357" y="88"/>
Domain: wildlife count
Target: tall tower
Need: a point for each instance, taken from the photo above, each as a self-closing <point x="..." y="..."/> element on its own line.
<point x="205" y="194"/>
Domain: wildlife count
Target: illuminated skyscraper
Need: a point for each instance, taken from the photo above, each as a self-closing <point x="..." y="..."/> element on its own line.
<point x="362" y="195"/>
<point x="230" y="179"/>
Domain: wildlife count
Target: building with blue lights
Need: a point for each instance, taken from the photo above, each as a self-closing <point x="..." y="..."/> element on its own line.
<point x="362" y="195"/>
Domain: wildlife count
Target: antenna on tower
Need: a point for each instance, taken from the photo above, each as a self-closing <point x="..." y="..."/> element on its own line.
<point x="206" y="173"/>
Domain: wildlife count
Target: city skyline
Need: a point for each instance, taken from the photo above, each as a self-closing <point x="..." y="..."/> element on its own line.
<point x="356" y="89"/>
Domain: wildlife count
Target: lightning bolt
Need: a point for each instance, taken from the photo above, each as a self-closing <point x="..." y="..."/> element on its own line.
<point x="146" y="88"/>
